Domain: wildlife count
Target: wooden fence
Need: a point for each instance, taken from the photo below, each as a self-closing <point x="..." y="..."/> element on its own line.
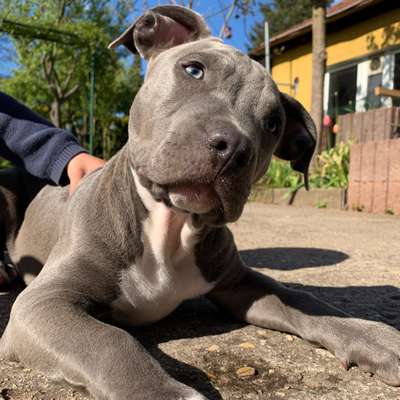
<point x="372" y="125"/>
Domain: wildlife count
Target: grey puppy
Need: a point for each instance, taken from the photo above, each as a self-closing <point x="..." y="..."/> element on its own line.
<point x="148" y="230"/>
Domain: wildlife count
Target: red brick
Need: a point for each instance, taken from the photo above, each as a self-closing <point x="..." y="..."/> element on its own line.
<point x="393" y="202"/>
<point x="379" y="204"/>
<point x="357" y="129"/>
<point x="346" y="127"/>
<point x="379" y="124"/>
<point x="381" y="161"/>
<point x="366" y="195"/>
<point x="368" y="162"/>
<point x="394" y="168"/>
<point x="368" y="124"/>
<point x="387" y="127"/>
<point x="355" y="163"/>
<point x="374" y="180"/>
<point x="353" y="195"/>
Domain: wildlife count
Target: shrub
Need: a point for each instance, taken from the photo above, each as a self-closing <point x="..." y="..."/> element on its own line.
<point x="280" y="175"/>
<point x="331" y="170"/>
<point x="4" y="163"/>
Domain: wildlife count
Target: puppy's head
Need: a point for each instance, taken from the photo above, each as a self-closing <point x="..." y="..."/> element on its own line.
<point x="207" y="119"/>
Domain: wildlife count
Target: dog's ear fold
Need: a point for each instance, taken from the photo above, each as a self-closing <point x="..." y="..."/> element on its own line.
<point x="298" y="142"/>
<point x="162" y="28"/>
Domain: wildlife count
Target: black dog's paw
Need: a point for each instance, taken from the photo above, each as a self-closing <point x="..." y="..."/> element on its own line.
<point x="375" y="348"/>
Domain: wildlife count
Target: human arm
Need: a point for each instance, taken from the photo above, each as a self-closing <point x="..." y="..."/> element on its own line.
<point x="31" y="142"/>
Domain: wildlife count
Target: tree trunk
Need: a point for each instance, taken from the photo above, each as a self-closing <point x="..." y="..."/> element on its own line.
<point x="318" y="64"/>
<point x="55" y="113"/>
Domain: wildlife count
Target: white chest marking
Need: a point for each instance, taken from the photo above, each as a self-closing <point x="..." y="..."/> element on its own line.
<point x="166" y="274"/>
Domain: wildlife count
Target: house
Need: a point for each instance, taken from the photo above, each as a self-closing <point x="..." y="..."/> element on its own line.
<point x="363" y="52"/>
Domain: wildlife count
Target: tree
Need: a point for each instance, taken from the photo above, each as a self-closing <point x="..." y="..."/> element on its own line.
<point x="318" y="62"/>
<point x="53" y="77"/>
<point x="281" y="15"/>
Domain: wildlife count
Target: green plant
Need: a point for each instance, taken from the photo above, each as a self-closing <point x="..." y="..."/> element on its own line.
<point x="332" y="168"/>
<point x="4" y="163"/>
<point x="321" y="204"/>
<point x="56" y="44"/>
<point x="389" y="211"/>
<point x="280" y="175"/>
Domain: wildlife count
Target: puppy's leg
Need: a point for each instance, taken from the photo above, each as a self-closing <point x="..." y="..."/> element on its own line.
<point x="17" y="189"/>
<point x="260" y="300"/>
<point x="10" y="204"/>
<point x="51" y="330"/>
<point x="11" y="212"/>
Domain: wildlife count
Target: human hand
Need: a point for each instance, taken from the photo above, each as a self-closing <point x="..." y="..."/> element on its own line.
<point x="79" y="166"/>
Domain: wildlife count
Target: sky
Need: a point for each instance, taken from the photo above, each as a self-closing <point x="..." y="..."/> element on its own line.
<point x="240" y="26"/>
<point x="214" y="11"/>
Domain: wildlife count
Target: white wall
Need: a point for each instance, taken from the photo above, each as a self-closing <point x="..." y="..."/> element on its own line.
<point x="388" y="77"/>
<point x="362" y="85"/>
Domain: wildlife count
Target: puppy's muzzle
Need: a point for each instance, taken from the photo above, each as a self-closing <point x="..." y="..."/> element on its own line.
<point x="232" y="150"/>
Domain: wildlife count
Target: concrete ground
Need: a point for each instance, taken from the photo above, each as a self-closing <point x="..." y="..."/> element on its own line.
<point x="351" y="260"/>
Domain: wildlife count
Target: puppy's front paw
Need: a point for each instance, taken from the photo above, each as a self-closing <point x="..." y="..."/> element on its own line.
<point x="375" y="348"/>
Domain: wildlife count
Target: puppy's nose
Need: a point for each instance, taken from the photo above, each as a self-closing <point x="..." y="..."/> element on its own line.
<point x="233" y="149"/>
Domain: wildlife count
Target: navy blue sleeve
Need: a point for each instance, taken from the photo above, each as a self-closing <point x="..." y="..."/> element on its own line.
<point x="31" y="142"/>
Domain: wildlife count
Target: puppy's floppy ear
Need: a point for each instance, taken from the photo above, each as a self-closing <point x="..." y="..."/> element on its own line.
<point x="161" y="28"/>
<point x="298" y="142"/>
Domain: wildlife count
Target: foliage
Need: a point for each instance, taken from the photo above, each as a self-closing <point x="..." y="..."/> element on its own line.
<point x="4" y="163"/>
<point x="53" y="78"/>
<point x="280" y="175"/>
<point x="332" y="168"/>
<point x="331" y="171"/>
<point x="321" y="204"/>
<point x="281" y="15"/>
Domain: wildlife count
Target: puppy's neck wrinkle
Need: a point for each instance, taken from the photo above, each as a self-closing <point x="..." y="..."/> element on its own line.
<point x="124" y="211"/>
<point x="170" y="234"/>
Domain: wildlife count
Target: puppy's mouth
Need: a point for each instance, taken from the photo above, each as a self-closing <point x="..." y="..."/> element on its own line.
<point x="195" y="198"/>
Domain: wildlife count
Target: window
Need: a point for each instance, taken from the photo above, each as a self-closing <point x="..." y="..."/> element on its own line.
<point x="373" y="101"/>
<point x="342" y="91"/>
<point x="396" y="81"/>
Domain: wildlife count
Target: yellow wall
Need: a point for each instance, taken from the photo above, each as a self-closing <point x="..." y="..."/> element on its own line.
<point x="355" y="41"/>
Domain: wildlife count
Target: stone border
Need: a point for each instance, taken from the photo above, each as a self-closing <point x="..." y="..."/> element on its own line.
<point x="321" y="198"/>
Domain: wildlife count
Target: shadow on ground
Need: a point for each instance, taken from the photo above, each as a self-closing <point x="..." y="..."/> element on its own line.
<point x="291" y="258"/>
<point x="199" y="318"/>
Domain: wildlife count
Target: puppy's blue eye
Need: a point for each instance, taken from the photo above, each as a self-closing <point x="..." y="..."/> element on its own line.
<point x="195" y="71"/>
